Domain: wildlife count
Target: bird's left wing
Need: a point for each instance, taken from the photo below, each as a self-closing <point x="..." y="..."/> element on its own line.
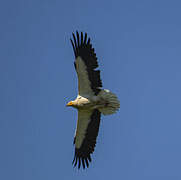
<point x="89" y="81"/>
<point x="85" y="137"/>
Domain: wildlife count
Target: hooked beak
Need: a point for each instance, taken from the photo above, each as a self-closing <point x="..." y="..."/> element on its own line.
<point x="69" y="104"/>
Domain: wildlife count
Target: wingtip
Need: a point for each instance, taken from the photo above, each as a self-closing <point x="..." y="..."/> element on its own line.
<point x="79" y="163"/>
<point x="73" y="34"/>
<point x="78" y="41"/>
<point x="83" y="163"/>
<point x="88" y="42"/>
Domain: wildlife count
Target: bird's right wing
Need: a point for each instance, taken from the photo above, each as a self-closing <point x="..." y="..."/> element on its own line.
<point x="85" y="137"/>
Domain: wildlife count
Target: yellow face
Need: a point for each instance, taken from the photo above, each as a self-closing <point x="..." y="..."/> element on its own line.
<point x="70" y="103"/>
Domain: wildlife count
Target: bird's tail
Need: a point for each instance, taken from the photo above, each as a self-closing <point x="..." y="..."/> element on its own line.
<point x="112" y="103"/>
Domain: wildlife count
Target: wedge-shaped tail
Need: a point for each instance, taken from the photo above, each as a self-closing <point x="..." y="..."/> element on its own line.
<point x="112" y="103"/>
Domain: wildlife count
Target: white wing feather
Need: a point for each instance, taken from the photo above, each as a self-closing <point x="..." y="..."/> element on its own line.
<point x="84" y="117"/>
<point x="84" y="84"/>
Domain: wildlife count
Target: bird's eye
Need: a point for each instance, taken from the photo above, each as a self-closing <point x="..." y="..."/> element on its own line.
<point x="79" y="97"/>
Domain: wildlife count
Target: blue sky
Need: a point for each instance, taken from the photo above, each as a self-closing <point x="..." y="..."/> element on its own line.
<point x="138" y="45"/>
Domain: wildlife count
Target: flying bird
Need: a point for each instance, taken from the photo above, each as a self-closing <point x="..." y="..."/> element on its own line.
<point x="92" y="100"/>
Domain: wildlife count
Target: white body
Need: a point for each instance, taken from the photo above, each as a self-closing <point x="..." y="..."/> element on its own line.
<point x="106" y="102"/>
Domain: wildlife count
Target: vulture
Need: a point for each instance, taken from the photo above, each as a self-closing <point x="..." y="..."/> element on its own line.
<point x="91" y="102"/>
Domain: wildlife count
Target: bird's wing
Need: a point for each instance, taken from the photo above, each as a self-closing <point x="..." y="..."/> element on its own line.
<point x="89" y="81"/>
<point x="85" y="136"/>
